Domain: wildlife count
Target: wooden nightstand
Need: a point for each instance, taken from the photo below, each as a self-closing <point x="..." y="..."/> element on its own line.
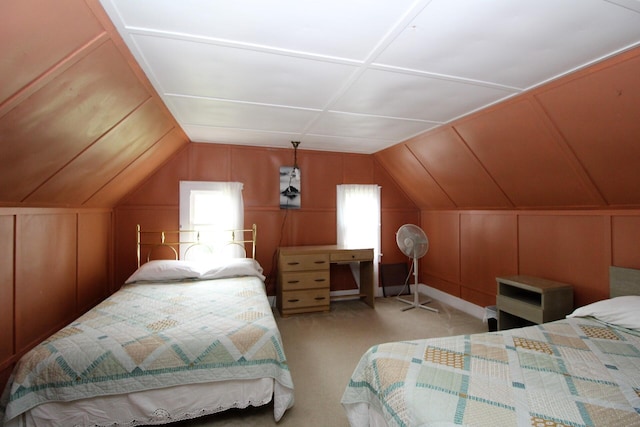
<point x="525" y="301"/>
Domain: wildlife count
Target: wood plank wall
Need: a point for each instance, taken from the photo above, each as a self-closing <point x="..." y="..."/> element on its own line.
<point x="154" y="204"/>
<point x="469" y="249"/>
<point x="55" y="263"/>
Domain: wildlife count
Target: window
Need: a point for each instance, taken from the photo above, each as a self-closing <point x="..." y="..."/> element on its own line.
<point x="358" y="211"/>
<point x="212" y="208"/>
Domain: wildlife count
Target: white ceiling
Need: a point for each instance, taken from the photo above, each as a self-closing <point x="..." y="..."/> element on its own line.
<point x="357" y="75"/>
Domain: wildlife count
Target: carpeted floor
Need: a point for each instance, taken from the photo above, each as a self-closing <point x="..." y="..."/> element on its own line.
<point x="324" y="348"/>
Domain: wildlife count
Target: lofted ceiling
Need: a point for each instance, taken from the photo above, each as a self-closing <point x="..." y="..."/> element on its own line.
<point x="359" y="75"/>
<point x="486" y="105"/>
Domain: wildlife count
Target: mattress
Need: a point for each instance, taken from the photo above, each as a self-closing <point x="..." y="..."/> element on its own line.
<point x="159" y="337"/>
<point x="578" y="371"/>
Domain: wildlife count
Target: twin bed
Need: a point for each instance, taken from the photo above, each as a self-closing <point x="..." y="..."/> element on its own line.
<point x="580" y="371"/>
<point x="181" y="339"/>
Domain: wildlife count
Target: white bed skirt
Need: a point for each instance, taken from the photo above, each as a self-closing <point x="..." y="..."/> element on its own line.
<point x="158" y="406"/>
<point x="364" y="415"/>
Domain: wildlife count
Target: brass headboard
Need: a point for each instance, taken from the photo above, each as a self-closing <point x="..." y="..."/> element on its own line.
<point x="174" y="240"/>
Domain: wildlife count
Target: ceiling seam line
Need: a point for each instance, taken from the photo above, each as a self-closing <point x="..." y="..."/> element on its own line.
<point x="431" y="176"/>
<point x="483" y="167"/>
<point x="128" y="165"/>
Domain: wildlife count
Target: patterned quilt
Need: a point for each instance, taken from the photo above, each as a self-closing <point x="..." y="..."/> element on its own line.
<point x="149" y="336"/>
<point x="573" y="372"/>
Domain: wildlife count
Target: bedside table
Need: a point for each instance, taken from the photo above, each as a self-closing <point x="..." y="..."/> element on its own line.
<point x="525" y="301"/>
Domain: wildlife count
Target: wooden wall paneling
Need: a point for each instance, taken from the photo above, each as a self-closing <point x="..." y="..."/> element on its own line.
<point x="155" y="200"/>
<point x="357" y="169"/>
<point x="412" y="177"/>
<point x="94" y="256"/>
<point x="442" y="261"/>
<point x="392" y="195"/>
<point x="105" y="158"/>
<point x="524" y="157"/>
<point x="312" y="227"/>
<point x="6" y="288"/>
<point x="209" y="162"/>
<point x="320" y="172"/>
<point x="45" y="275"/>
<point x="488" y="248"/>
<point x="33" y="42"/>
<point x="259" y="170"/>
<point x="597" y="113"/>
<point x="162" y="188"/>
<point x="140" y="168"/>
<point x="90" y="97"/>
<point x="570" y="248"/>
<point x="454" y="167"/>
<point x="625" y="240"/>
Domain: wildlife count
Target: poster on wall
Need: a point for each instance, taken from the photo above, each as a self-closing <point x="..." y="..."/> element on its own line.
<point x="289" y="187"/>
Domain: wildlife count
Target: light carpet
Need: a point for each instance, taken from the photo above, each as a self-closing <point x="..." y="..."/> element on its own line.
<point x="323" y="349"/>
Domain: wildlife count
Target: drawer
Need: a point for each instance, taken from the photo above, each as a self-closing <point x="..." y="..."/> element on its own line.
<point x="305" y="280"/>
<point x="292" y="300"/>
<point x="295" y="262"/>
<point x="353" y="255"/>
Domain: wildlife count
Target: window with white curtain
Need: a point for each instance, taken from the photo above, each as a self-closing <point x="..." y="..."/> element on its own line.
<point x="213" y="209"/>
<point x="358" y="220"/>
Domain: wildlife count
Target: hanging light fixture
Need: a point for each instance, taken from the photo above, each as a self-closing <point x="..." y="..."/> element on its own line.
<point x="296" y="170"/>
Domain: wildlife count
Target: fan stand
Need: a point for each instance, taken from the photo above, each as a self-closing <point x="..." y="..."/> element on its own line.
<point x="416" y="297"/>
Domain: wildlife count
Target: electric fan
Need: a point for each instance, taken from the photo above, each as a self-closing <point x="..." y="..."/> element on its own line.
<point x="413" y="243"/>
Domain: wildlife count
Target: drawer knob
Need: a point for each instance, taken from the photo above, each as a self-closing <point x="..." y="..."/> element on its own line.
<point x="293" y="263"/>
<point x="320" y="280"/>
<point x="293" y="281"/>
<point x="319" y="298"/>
<point x="293" y="300"/>
<point x="319" y="262"/>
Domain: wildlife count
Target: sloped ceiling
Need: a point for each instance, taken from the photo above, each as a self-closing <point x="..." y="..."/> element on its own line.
<point x="82" y="125"/>
<point x="573" y="143"/>
<point x="357" y="75"/>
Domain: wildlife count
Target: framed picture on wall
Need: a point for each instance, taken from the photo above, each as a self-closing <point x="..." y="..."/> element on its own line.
<point x="289" y="187"/>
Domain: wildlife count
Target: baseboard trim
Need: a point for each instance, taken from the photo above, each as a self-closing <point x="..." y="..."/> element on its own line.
<point x="455" y="302"/>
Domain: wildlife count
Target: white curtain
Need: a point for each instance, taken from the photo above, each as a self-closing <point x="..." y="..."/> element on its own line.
<point x="213" y="208"/>
<point x="358" y="219"/>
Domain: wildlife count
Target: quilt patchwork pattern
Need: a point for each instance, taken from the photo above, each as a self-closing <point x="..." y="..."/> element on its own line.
<point x="573" y="372"/>
<point x="149" y="336"/>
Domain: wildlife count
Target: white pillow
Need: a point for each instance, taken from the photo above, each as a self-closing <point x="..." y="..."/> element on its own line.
<point x="165" y="270"/>
<point x="233" y="267"/>
<point x="619" y="311"/>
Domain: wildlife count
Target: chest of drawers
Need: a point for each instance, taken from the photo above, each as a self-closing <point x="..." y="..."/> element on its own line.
<point x="304" y="281"/>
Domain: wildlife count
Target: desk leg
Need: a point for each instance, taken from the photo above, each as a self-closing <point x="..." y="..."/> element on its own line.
<point x="367" y="283"/>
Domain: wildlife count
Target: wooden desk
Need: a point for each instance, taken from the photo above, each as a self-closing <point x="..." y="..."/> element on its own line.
<point x="304" y="279"/>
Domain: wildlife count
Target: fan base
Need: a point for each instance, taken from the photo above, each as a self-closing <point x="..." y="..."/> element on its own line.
<point x="415" y="304"/>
